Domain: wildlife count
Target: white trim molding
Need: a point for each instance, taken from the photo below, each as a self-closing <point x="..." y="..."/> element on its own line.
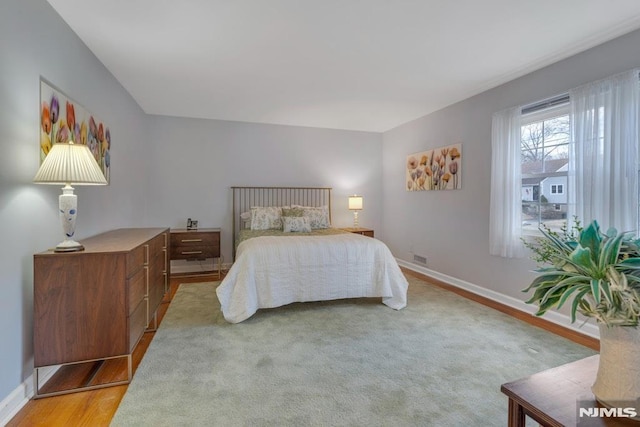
<point x="15" y="401"/>
<point x="11" y="405"/>
<point x="560" y="319"/>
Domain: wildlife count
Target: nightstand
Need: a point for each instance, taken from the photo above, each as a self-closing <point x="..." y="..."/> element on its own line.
<point x="196" y="245"/>
<point x="364" y="231"/>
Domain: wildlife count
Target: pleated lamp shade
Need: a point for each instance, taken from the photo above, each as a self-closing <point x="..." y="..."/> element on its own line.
<point x="70" y="164"/>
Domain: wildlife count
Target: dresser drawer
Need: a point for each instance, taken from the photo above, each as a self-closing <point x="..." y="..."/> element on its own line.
<point x="136" y="259"/>
<point x="137" y="288"/>
<point x="138" y="321"/>
<point x="157" y="244"/>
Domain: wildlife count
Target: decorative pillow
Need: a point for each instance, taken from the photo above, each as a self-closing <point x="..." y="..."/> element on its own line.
<point x="292" y="211"/>
<point x="265" y="218"/>
<point x="318" y="216"/>
<point x="296" y="224"/>
<point x="246" y="219"/>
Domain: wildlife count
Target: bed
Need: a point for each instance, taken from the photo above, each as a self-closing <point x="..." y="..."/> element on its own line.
<point x="277" y="263"/>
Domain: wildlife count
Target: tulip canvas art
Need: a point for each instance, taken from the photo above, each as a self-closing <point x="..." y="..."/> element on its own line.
<point x="64" y="120"/>
<point x="435" y="169"/>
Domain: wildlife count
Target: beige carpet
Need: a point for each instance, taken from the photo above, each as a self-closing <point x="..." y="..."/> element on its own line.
<point x="438" y="362"/>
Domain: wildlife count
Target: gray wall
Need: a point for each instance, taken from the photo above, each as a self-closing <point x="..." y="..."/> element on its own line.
<point x="451" y="228"/>
<point x="196" y="161"/>
<point x="163" y="169"/>
<point x="35" y="42"/>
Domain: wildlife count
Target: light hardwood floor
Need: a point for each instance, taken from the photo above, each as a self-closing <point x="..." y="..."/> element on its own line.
<point x="97" y="407"/>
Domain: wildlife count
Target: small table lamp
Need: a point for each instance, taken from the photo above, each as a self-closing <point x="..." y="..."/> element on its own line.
<point x="68" y="164"/>
<point x="355" y="204"/>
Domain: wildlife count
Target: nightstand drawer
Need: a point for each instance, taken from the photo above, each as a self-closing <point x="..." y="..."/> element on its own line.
<point x="363" y="231"/>
<point x="194" y="252"/>
<point x="195" y="238"/>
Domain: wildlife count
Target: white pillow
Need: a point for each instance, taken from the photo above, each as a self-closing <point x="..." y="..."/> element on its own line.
<point x="318" y="216"/>
<point x="296" y="224"/>
<point x="266" y="218"/>
<point x="246" y="219"/>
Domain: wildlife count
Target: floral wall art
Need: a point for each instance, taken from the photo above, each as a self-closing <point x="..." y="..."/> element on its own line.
<point x="435" y="169"/>
<point x="64" y="120"/>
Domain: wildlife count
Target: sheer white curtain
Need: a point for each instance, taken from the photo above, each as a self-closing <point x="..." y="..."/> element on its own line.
<point x="505" y="223"/>
<point x="603" y="168"/>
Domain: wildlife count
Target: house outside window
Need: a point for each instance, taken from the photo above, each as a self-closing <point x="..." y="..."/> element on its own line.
<point x="557" y="189"/>
<point x="545" y="135"/>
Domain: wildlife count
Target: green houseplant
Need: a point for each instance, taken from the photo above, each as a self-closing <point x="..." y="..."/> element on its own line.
<point x="599" y="275"/>
<point x="598" y="272"/>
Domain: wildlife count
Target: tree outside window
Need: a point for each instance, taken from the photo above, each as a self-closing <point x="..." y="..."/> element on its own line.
<point x="545" y="139"/>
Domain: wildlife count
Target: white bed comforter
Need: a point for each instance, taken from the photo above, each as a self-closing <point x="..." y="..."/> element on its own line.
<point x="272" y="271"/>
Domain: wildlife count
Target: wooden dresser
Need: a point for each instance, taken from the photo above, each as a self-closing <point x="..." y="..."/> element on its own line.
<point x="94" y="305"/>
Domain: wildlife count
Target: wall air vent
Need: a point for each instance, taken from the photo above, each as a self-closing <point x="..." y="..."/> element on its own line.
<point x="419" y="259"/>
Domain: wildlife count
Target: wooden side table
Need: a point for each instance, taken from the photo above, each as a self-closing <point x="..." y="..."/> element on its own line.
<point x="551" y="397"/>
<point x="197" y="244"/>
<point x="364" y="231"/>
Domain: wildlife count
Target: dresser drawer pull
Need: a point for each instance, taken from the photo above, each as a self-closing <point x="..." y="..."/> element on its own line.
<point x="191" y="252"/>
<point x="191" y="240"/>
<point x="164" y="259"/>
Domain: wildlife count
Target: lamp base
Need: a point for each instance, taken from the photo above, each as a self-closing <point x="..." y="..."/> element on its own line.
<point x="69" y="246"/>
<point x="68" y="206"/>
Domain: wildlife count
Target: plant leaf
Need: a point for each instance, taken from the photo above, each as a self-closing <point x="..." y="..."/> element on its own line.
<point x="595" y="290"/>
<point x="610" y="251"/>
<point x="582" y="259"/>
<point x="567" y="293"/>
<point x="590" y="239"/>
<point x="631" y="263"/>
<point x="574" y="305"/>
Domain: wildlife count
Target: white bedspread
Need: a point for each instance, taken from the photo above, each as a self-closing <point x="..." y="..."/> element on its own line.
<point x="272" y="271"/>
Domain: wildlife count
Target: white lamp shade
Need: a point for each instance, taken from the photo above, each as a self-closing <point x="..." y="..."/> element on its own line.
<point x="355" y="203"/>
<point x="70" y="164"/>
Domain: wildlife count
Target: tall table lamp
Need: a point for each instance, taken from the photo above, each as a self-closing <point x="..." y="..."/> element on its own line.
<point x="355" y="205"/>
<point x="67" y="164"/>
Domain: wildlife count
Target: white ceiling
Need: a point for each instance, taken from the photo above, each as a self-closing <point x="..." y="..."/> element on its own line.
<point x="345" y="64"/>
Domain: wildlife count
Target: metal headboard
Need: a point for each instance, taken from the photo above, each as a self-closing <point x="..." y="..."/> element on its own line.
<point x="246" y="197"/>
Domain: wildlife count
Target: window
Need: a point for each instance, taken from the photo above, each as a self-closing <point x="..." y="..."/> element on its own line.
<point x="557" y="189"/>
<point x="545" y="135"/>
<point x="533" y="147"/>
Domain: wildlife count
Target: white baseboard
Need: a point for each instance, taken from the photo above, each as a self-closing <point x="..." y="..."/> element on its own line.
<point x="553" y="316"/>
<point x="15" y="401"/>
<point x="11" y="405"/>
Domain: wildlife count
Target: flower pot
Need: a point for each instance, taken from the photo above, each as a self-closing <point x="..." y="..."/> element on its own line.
<point x="618" y="381"/>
